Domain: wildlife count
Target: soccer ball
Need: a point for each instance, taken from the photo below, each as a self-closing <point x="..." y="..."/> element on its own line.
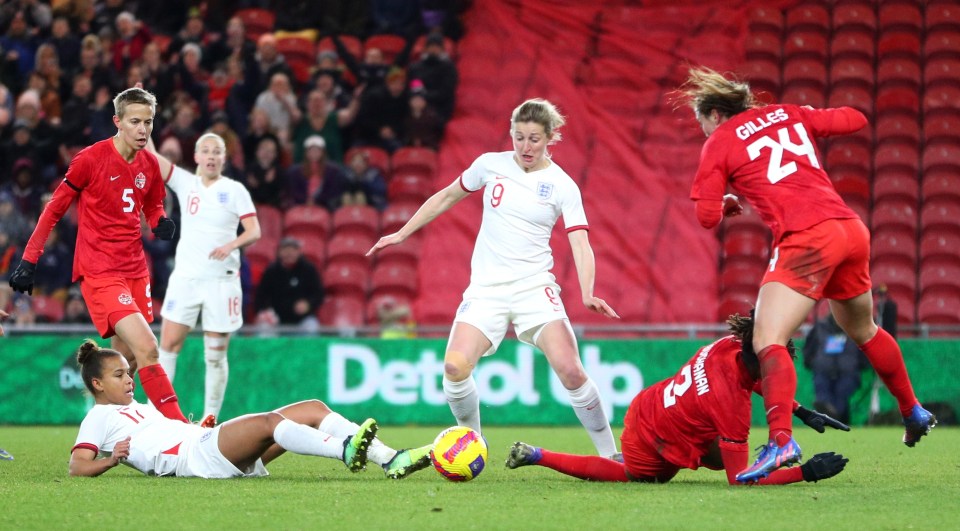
<point x="459" y="453"/>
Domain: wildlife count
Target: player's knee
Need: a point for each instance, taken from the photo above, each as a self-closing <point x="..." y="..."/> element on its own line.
<point x="270" y="420"/>
<point x="572" y="377"/>
<point x="214" y="350"/>
<point x="456" y="367"/>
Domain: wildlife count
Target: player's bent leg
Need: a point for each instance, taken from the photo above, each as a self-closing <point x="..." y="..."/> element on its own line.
<point x="217" y="371"/>
<point x="587" y="467"/>
<point x="467" y="344"/>
<point x="245" y="439"/>
<point x="136" y="334"/>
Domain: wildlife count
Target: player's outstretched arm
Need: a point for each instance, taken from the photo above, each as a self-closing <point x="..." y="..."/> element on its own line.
<point x="817" y="420"/>
<point x="84" y="462"/>
<point x="437" y="204"/>
<point x="586" y="264"/>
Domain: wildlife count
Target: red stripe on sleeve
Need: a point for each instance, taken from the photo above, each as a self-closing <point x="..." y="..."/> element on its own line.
<point x="250" y="215"/>
<point x="465" y="189"/>
<point x="85" y="446"/>
<point x="578" y="227"/>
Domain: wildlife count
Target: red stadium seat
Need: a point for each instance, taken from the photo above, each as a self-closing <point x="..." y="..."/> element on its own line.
<point x="342" y="311"/>
<point x="741" y="276"/>
<point x="852" y="96"/>
<point x="898" y="43"/>
<point x="804" y="72"/>
<point x="47" y="309"/>
<point x="941" y="155"/>
<point x="346" y="279"/>
<point x="765" y="19"/>
<point x="805" y="43"/>
<point x="377" y="157"/>
<point x="377" y="301"/>
<point x="804" y="96"/>
<point x="271" y="221"/>
<point x="808" y="17"/>
<point x="396" y="215"/>
<point x="942" y="245"/>
<point x="746" y="244"/>
<point x="256" y="21"/>
<point x="900" y="16"/>
<point x="897" y="155"/>
<point x="349" y="248"/>
<point x="894" y="214"/>
<point x="394" y="279"/>
<point x="897" y="99"/>
<point x="415" y="160"/>
<point x="854" y="16"/>
<point x="901" y="280"/>
<point x="853" y="43"/>
<point x="941" y="45"/>
<point x="297" y="48"/>
<point x="942" y="17"/>
<point x="895" y="245"/>
<point x="896" y="185"/>
<point x="853" y="157"/>
<point x="937" y="308"/>
<point x="259" y="255"/>
<point x="898" y="127"/>
<point x="855" y="71"/>
<point x="307" y="219"/>
<point x="736" y="301"/>
<point x="360" y="220"/>
<point x="409" y="187"/>
<point x="942" y="128"/>
<point x="390" y="45"/>
<point x="314" y="249"/>
<point x="851" y="183"/>
<point x="407" y="253"/>
<point x="763" y="76"/>
<point x="940" y="276"/>
<point x="898" y="72"/>
<point x="763" y="45"/>
<point x="941" y="185"/>
<point x="941" y="70"/>
<point x="940" y="214"/>
<point x="940" y="99"/>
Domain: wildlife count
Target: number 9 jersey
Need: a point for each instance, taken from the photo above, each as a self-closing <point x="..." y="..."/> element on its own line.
<point x="768" y="158"/>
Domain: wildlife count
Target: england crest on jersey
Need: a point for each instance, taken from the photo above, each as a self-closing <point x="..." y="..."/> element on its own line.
<point x="544" y="190"/>
<point x="140" y="180"/>
<point x="223" y="197"/>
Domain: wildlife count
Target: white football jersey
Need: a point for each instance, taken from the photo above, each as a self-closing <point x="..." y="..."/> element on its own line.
<point x="519" y="212"/>
<point x="209" y="216"/>
<point x="154" y="439"/>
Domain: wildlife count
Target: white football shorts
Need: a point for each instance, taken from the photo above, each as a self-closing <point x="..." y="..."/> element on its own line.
<point x="220" y="300"/>
<point x="528" y="304"/>
<point x="200" y="457"/>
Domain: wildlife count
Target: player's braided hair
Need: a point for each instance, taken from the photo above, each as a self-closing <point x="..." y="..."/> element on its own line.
<point x="90" y="357"/>
<point x="707" y="90"/>
<point x="539" y="111"/>
<point x="742" y="329"/>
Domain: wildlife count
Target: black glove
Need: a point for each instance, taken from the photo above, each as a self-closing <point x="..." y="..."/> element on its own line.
<point x="823" y="466"/>
<point x="22" y="278"/>
<point x="817" y="420"/>
<point x="165" y="228"/>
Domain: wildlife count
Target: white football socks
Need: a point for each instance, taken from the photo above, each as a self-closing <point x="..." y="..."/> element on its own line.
<point x="215" y="379"/>
<point x="464" y="401"/>
<point x="168" y="360"/>
<point x="586" y="404"/>
<point x="335" y="424"/>
<point x="304" y="440"/>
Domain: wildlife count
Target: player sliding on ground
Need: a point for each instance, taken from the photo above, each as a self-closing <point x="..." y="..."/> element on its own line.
<point x="120" y="430"/>
<point x="699" y="417"/>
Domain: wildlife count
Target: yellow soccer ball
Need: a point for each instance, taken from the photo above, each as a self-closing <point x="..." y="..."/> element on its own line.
<point x="459" y="453"/>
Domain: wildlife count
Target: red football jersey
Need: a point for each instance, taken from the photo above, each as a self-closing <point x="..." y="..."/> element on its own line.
<point x="708" y="398"/>
<point x="112" y="193"/>
<point x="769" y="158"/>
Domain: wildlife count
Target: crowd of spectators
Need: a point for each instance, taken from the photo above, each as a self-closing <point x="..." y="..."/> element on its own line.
<point x="287" y="130"/>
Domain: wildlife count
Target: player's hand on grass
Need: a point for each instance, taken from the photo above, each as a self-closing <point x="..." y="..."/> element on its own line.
<point x="731" y="206"/>
<point x="600" y="306"/>
<point x="818" y="421"/>
<point x="120" y="452"/>
<point x="823" y="466"/>
<point x="22" y="278"/>
<point x="165" y="228"/>
<point x="389" y="239"/>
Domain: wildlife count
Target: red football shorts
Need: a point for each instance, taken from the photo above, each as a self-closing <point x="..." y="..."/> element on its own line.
<point x="641" y="459"/>
<point x="111" y="299"/>
<point x="830" y="259"/>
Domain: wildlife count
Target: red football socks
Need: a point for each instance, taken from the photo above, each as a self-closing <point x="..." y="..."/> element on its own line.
<point x="887" y="359"/>
<point x="589" y="467"/>
<point x="160" y="392"/>
<point x="779" y="384"/>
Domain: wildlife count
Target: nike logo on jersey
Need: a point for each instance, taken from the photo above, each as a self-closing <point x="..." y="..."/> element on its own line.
<point x="114" y="178"/>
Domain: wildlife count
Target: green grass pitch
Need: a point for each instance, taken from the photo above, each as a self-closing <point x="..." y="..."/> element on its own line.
<point x="885" y="486"/>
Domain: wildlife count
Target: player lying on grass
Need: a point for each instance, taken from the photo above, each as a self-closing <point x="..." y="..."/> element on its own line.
<point x="121" y="430"/>
<point x="699" y="417"/>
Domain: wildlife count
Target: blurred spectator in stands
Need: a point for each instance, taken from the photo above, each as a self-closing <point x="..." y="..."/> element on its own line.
<point x="166" y="17"/>
<point x="107" y="38"/>
<point x="157" y="77"/>
<point x="366" y="184"/>
<point x="269" y="62"/>
<point x="424" y="126"/>
<point x="383" y="112"/>
<point x="91" y="63"/>
<point x="327" y="81"/>
<point x="22" y="144"/>
<point x="56" y="88"/>
<point x="263" y="175"/>
<point x="77" y="115"/>
<point x="258" y="129"/>
<point x="438" y="74"/>
<point x="836" y="363"/>
<point x="66" y="43"/>
<point x="24" y="188"/>
<point x="297" y="16"/>
<point x="75" y="309"/>
<point x="219" y="85"/>
<point x="220" y="125"/>
<point x="396" y="319"/>
<point x="193" y="32"/>
<point x="399" y="17"/>
<point x="280" y="103"/>
<point x="189" y="77"/>
<point x="886" y="310"/>
<point x="49" y="99"/>
<point x="37" y="14"/>
<point x="324" y="120"/>
<point x="242" y="95"/>
<point x="12" y="223"/>
<point x="317" y="180"/>
<point x="184" y="129"/>
<point x="18" y="44"/>
<point x="170" y="148"/>
<point x="79" y="14"/>
<point x="233" y="44"/>
<point x="132" y="36"/>
<point x="101" y="123"/>
<point x="105" y="14"/>
<point x="54" y="268"/>
<point x="291" y="288"/>
<point x="345" y="17"/>
<point x="374" y="69"/>
<point x="9" y="73"/>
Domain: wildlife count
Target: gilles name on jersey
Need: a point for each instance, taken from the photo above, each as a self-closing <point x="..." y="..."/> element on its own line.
<point x="759" y="124"/>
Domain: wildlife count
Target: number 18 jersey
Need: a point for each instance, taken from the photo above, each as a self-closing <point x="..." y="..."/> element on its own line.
<point x="768" y="157"/>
